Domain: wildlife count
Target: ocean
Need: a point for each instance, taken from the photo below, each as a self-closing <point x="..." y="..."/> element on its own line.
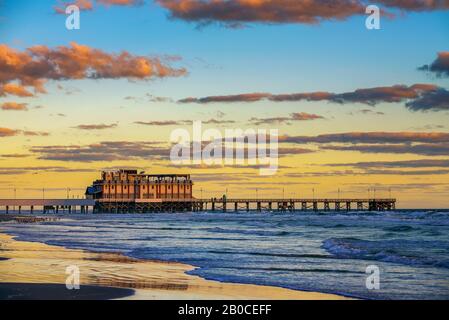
<point x="313" y="251"/>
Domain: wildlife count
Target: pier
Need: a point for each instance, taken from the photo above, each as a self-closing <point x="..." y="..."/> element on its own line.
<point x="130" y="191"/>
<point x="272" y="204"/>
<point x="193" y="204"/>
<point x="47" y="205"/>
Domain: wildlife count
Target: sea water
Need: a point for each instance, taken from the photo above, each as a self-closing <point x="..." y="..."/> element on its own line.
<point x="315" y="251"/>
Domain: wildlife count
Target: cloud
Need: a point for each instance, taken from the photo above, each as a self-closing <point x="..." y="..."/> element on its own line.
<point x="371" y="137"/>
<point x="427" y="94"/>
<point x="14" y="155"/>
<point x="87" y="5"/>
<point x="95" y="126"/>
<point x="415" y="5"/>
<point x="373" y="96"/>
<point x="123" y="150"/>
<point x="218" y="122"/>
<point x="237" y="12"/>
<point x="421" y="163"/>
<point x="14" y="89"/>
<point x="182" y="122"/>
<point x="440" y="66"/>
<point x="368" y="111"/>
<point x="23" y="170"/>
<point x="431" y="101"/>
<point x="103" y="151"/>
<point x="293" y="151"/>
<point x="421" y="149"/>
<point x="157" y="99"/>
<point x="34" y="133"/>
<point x="367" y="172"/>
<point x="164" y="123"/>
<point x="83" y="5"/>
<point x="247" y="97"/>
<point x="297" y="116"/>
<point x="14" y="106"/>
<point x="6" y="132"/>
<point x="30" y="69"/>
<point x="422" y="143"/>
<point x="407" y="173"/>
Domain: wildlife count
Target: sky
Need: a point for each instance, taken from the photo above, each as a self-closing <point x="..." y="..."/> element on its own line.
<point x="357" y="110"/>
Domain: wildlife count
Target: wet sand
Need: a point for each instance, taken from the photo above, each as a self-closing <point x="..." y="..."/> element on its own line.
<point x="37" y="291"/>
<point x="32" y="270"/>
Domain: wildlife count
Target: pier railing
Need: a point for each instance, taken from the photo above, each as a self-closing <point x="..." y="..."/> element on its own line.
<point x="294" y="204"/>
<point x="194" y="204"/>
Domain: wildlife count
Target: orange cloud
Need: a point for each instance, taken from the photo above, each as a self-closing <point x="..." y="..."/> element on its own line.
<point x="83" y="5"/>
<point x="14" y="89"/>
<point x="87" y="5"/>
<point x="14" y="106"/>
<point x="34" y="66"/>
<point x="6" y="132"/>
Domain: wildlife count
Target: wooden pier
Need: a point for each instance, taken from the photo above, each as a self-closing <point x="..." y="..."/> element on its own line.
<point x="325" y="204"/>
<point x="48" y="205"/>
<point x="243" y="204"/>
<point x="130" y="205"/>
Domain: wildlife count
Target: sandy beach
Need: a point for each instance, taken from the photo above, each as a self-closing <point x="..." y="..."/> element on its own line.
<point x="32" y="270"/>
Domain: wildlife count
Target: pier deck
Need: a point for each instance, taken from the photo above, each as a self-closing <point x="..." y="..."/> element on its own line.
<point x="129" y="205"/>
<point x="273" y="204"/>
<point x="48" y="205"/>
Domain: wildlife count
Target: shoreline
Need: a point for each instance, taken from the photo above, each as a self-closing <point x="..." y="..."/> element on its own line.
<point x="39" y="264"/>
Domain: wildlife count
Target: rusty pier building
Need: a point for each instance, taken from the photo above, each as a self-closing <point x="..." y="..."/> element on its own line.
<point x="132" y="191"/>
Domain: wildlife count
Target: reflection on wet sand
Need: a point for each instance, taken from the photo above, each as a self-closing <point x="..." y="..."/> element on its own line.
<point x="32" y="262"/>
